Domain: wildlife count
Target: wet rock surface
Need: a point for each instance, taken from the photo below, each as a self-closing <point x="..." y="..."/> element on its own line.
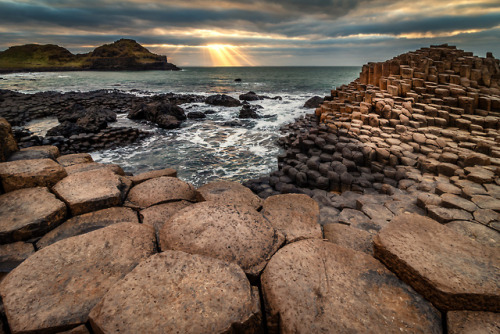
<point x="313" y="286"/>
<point x="178" y="292"/>
<point x="84" y="268"/>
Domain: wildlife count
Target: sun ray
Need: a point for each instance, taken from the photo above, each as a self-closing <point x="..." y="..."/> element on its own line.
<point x="228" y="55"/>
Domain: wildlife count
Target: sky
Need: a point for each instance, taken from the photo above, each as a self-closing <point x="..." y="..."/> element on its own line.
<point x="257" y="33"/>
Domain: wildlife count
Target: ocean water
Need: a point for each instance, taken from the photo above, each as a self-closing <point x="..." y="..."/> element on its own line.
<point x="201" y="150"/>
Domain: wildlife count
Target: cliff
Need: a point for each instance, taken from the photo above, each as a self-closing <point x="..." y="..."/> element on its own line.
<point x="124" y="54"/>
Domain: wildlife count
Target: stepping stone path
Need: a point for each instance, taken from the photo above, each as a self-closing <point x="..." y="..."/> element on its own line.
<point x="178" y="292"/>
<point x="28" y="213"/>
<point x="88" y="222"/>
<point x="237" y="234"/>
<point x="35" y="173"/>
<point x="294" y="215"/>
<point x="229" y="193"/>
<point x="55" y="289"/>
<point x="92" y="190"/>
<point x="452" y="271"/>
<point x="312" y="286"/>
<point x="159" y="190"/>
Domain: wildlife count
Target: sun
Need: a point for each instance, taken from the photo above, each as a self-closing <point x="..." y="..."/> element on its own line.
<point x="228" y="55"/>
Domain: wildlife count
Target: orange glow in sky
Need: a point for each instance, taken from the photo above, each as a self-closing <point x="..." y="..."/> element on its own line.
<point x="228" y="55"/>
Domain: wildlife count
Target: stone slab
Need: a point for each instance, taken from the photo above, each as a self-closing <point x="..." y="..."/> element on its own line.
<point x="36" y="152"/>
<point x="312" y="286"/>
<point x="176" y="292"/>
<point x="55" y="288"/>
<point x="349" y="237"/>
<point x="294" y="215"/>
<point x="33" y="173"/>
<point x="88" y="222"/>
<point x="88" y="166"/>
<point x="136" y="179"/>
<point x="157" y="215"/>
<point x="74" y="159"/>
<point x="451" y="270"/>
<point x="231" y="233"/>
<point x="478" y="232"/>
<point x="228" y="192"/>
<point x="11" y="255"/>
<point x="28" y="213"/>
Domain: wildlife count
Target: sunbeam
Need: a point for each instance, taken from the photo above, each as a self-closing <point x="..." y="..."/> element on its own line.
<point x="228" y="55"/>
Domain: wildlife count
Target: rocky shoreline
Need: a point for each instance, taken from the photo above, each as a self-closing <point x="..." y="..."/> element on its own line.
<point x="384" y="216"/>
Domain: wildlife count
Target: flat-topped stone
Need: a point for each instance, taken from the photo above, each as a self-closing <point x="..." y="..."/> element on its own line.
<point x="157" y="215"/>
<point x="480" y="233"/>
<point x="178" y="292"/>
<point x="11" y="255"/>
<point x="36" y="152"/>
<point x="470" y="322"/>
<point x="160" y="190"/>
<point x="33" y="173"/>
<point x="445" y="215"/>
<point x="74" y="159"/>
<point x="136" y="179"/>
<point x="312" y="286"/>
<point x="349" y="237"/>
<point x="486" y="202"/>
<point x="359" y="220"/>
<point x="88" y="222"/>
<point x="294" y="215"/>
<point x="88" y="166"/>
<point x="29" y="213"/>
<point x="55" y="288"/>
<point x="452" y="271"/>
<point x="92" y="190"/>
<point x="456" y="202"/>
<point x="229" y="193"/>
<point x="231" y="233"/>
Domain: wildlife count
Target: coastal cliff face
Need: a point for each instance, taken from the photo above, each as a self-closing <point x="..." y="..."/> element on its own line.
<point x="124" y="54"/>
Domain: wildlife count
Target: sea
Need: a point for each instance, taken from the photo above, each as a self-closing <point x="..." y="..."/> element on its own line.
<point x="201" y="150"/>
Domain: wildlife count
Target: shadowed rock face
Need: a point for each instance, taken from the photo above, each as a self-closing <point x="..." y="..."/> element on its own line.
<point x="451" y="270"/>
<point x="8" y="144"/>
<point x="312" y="286"/>
<point x="56" y="288"/>
<point x="29" y="213"/>
<point x="178" y="292"/>
<point x="236" y="234"/>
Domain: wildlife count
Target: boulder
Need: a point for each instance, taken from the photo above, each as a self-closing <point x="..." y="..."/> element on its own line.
<point x="314" y="102"/>
<point x="65" y="129"/>
<point x="294" y="215"/>
<point x="29" y="213"/>
<point x="228" y="192"/>
<point x="36" y="152"/>
<point x="160" y="190"/>
<point x="136" y="179"/>
<point x="74" y="159"/>
<point x="55" y="288"/>
<point x="196" y="115"/>
<point x="11" y="255"/>
<point x="349" y="237"/>
<point x="313" y="286"/>
<point x="250" y="96"/>
<point x="222" y="100"/>
<point x="178" y="292"/>
<point x="8" y="144"/>
<point x="88" y="222"/>
<point x="37" y="173"/>
<point x="157" y="215"/>
<point x="452" y="271"/>
<point x="166" y="115"/>
<point x="248" y="112"/>
<point x="470" y="322"/>
<point x="92" y="190"/>
<point x="88" y="166"/>
<point x="237" y="234"/>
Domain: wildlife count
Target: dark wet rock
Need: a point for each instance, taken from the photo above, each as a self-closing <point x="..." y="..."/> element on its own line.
<point x="222" y="100"/>
<point x="8" y="143"/>
<point x="248" y="112"/>
<point x="452" y="271"/>
<point x="250" y="96"/>
<point x="171" y="277"/>
<point x="36" y="152"/>
<point x="165" y="115"/>
<point x="313" y="286"/>
<point x="37" y="173"/>
<point x="237" y="234"/>
<point x="87" y="223"/>
<point x="56" y="288"/>
<point x="29" y="213"/>
<point x="314" y="102"/>
<point x="196" y="115"/>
